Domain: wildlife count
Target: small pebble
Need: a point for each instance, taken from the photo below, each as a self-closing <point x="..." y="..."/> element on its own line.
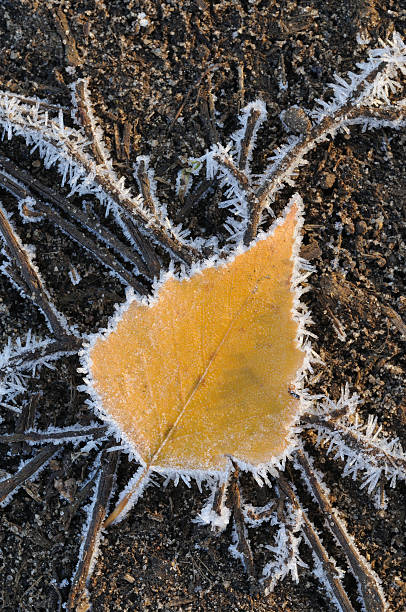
<point x="327" y="180"/>
<point x="295" y="120"/>
<point x="361" y="227"/>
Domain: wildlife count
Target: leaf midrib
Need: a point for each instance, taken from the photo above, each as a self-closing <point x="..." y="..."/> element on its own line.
<point x="203" y="376"/>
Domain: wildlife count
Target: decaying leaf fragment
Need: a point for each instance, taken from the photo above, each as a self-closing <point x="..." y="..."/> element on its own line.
<point x="206" y="369"/>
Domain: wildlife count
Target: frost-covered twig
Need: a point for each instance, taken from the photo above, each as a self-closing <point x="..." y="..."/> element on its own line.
<point x="361" y="446"/>
<point x="25" y="355"/>
<point x="87" y="120"/>
<point x="25" y="422"/>
<point x="368" y="582"/>
<point x="255" y="116"/>
<point x="55" y="435"/>
<point x="26" y="185"/>
<point x="9" y="485"/>
<point x="22" y="271"/>
<point x="241" y="546"/>
<point x="354" y="103"/>
<point x="286" y="558"/>
<point x="363" y="100"/>
<point x="79" y="596"/>
<point x="292" y="157"/>
<point x="67" y="149"/>
<point x="326" y="570"/>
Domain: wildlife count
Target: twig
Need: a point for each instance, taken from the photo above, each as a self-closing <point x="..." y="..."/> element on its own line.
<point x="87" y="120"/>
<point x="227" y="163"/>
<point x="396" y="319"/>
<point x="241" y="86"/>
<point x="370" y="591"/>
<point x="78" y="596"/>
<point x="92" y="223"/>
<point x="315" y="543"/>
<point x="72" y="56"/>
<point x="28" y="359"/>
<point x="39" y="103"/>
<point x="189" y="93"/>
<point x="260" y="515"/>
<point x="32" y="283"/>
<point x="9" y="485"/>
<point x="214" y="137"/>
<point x="144" y="247"/>
<point x="145" y="187"/>
<point x="219" y="498"/>
<point x="57" y="437"/>
<point x="357" y="441"/>
<point x="26" y="421"/>
<point x="254" y="115"/>
<point x="84" y="493"/>
<point x="242" y="539"/>
<point x="194" y="197"/>
<point x="347" y="116"/>
<point x="127" y="133"/>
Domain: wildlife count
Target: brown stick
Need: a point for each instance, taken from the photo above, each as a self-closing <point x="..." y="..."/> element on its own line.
<point x="371" y="594"/>
<point x="25" y="421"/>
<point x="80" y="496"/>
<point x="219" y="498"/>
<point x="145" y="187"/>
<point x="194" y="197"/>
<point x="189" y="93"/>
<point x="37" y="102"/>
<point x="87" y="121"/>
<point x="243" y="542"/>
<point x="127" y="133"/>
<point x="32" y="286"/>
<point x="72" y="56"/>
<point x="357" y="442"/>
<point x="29" y="469"/>
<point x="92" y="223"/>
<point x="315" y="543"/>
<point x="58" y="437"/>
<point x="238" y="174"/>
<point x="261" y="515"/>
<point x="145" y="248"/>
<point x="248" y="134"/>
<point x="79" y="596"/>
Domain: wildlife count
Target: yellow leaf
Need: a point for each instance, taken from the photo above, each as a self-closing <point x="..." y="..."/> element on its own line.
<point x="204" y="371"/>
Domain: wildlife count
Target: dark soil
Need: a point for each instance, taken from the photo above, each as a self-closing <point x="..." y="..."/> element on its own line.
<point x="152" y="73"/>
